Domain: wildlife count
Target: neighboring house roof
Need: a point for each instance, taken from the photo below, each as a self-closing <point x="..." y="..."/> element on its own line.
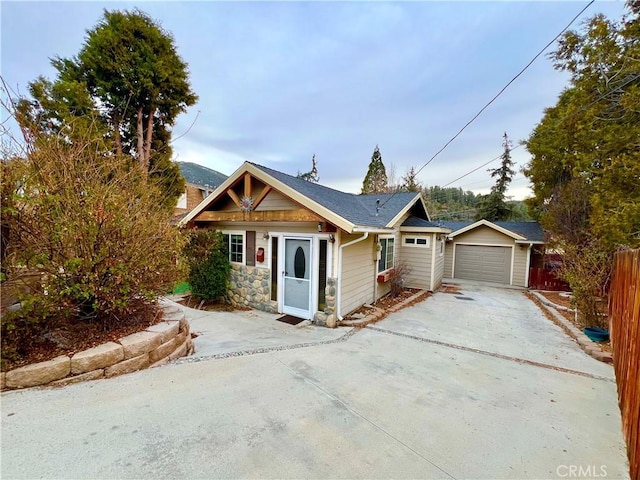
<point x="349" y="211"/>
<point x="201" y="176"/>
<point x="529" y="231"/>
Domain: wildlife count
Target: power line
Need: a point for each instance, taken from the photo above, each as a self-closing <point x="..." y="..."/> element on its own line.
<point x="500" y="92"/>
<point x="566" y="117"/>
<point x="478" y="168"/>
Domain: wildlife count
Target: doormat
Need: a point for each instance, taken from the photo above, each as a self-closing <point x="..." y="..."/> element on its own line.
<point x="290" y="320"/>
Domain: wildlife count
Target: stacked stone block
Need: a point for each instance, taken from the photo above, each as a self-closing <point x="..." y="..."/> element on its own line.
<point x="156" y="345"/>
<point x="251" y="287"/>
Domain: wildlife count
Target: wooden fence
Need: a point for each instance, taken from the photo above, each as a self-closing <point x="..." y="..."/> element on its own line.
<point x="545" y="279"/>
<point x="624" y="315"/>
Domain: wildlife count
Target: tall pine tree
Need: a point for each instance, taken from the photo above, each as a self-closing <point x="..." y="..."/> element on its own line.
<point x="375" y="181"/>
<point x="493" y="206"/>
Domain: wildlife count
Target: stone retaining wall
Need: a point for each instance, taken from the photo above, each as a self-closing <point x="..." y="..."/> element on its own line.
<point x="251" y="287"/>
<point x="158" y="344"/>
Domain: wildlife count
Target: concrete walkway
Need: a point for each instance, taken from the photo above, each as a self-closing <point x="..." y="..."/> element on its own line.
<point x="417" y="395"/>
<point x="221" y="333"/>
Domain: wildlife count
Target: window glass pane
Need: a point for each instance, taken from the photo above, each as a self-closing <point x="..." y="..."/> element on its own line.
<point x="386" y="254"/>
<point x="235" y="248"/>
<point x="421" y="241"/>
<point x="410" y="240"/>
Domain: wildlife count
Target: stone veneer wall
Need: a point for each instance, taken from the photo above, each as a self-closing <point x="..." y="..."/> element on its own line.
<point x="158" y="344"/>
<point x="251" y="287"/>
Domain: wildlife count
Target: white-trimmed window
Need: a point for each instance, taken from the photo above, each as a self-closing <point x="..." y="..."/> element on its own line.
<point x="386" y="253"/>
<point x="235" y="242"/>
<point x="416" y="241"/>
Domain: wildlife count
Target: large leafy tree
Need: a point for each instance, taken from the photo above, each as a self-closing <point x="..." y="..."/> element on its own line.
<point x="585" y="164"/>
<point x="494" y="206"/>
<point x="375" y="181"/>
<point x="128" y="80"/>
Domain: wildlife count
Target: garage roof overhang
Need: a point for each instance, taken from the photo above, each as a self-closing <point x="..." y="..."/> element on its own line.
<point x="489" y="224"/>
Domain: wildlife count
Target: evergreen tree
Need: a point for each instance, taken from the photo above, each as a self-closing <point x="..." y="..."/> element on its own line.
<point x="128" y="81"/>
<point x="311" y="176"/>
<point x="493" y="206"/>
<point x="409" y="181"/>
<point x="375" y="181"/>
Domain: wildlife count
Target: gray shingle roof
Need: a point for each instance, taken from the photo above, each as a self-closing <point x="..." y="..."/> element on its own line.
<point x="357" y="209"/>
<point x="414" y="221"/>
<point x="529" y="230"/>
<point x="201" y="176"/>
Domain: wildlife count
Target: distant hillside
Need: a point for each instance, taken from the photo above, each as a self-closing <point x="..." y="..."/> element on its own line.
<point x="455" y="204"/>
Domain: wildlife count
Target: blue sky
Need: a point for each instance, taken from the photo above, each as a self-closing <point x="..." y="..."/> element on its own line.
<point x="280" y="81"/>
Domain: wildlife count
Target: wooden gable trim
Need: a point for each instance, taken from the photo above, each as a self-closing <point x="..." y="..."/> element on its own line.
<point x="299" y="215"/>
<point x="273" y="184"/>
<point x="262" y="196"/>
<point x="233" y="196"/>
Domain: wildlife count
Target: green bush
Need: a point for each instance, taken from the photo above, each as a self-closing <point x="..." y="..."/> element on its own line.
<point x="207" y="257"/>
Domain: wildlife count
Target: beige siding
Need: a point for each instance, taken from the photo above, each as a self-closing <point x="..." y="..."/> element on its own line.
<point x="484" y="235"/>
<point x="418" y="260"/>
<point x="276" y="201"/>
<point x="439" y="267"/>
<point x="520" y="265"/>
<point x="358" y="274"/>
<point x="448" y="260"/>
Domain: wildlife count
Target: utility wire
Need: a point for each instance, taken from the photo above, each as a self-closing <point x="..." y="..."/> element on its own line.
<point x="478" y="168"/>
<point x="566" y="117"/>
<point x="499" y="93"/>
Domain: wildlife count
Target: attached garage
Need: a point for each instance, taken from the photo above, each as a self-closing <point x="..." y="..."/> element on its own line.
<point x="482" y="262"/>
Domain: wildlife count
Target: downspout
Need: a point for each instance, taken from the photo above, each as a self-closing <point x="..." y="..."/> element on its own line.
<point x="339" y="292"/>
<point x="527" y="266"/>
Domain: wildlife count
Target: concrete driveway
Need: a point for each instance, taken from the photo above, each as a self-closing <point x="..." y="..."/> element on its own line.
<point x="417" y="395"/>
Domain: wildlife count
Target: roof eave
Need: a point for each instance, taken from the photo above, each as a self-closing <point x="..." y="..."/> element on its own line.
<point x="425" y="229"/>
<point x="489" y="224"/>
<point x="406" y="208"/>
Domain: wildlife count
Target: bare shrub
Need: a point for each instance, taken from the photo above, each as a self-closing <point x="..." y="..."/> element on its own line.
<point x="399" y="278"/>
<point x="88" y="224"/>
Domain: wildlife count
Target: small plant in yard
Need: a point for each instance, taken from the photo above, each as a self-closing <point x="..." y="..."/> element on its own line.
<point x="207" y="257"/>
<point x="398" y="278"/>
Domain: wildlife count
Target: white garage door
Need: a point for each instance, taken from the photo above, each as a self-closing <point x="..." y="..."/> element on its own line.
<point x="479" y="262"/>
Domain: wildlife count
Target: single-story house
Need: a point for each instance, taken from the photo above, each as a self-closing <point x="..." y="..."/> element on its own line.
<point x="497" y="252"/>
<point x="200" y="183"/>
<point x="306" y="250"/>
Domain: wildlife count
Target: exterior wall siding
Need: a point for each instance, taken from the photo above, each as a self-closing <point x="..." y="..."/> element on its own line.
<point x="418" y="260"/>
<point x="358" y="274"/>
<point x="276" y="201"/>
<point x="438" y="273"/>
<point x="194" y="197"/>
<point x="520" y="265"/>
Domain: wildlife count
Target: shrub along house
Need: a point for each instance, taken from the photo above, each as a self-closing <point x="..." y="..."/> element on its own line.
<point x="310" y="251"/>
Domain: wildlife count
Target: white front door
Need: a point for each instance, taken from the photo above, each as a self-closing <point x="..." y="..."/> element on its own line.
<point x="297" y="277"/>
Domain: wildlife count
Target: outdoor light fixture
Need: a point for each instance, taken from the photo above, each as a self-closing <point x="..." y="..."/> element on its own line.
<point x="332" y="238"/>
<point x="319" y="226"/>
<point x="265" y="236"/>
